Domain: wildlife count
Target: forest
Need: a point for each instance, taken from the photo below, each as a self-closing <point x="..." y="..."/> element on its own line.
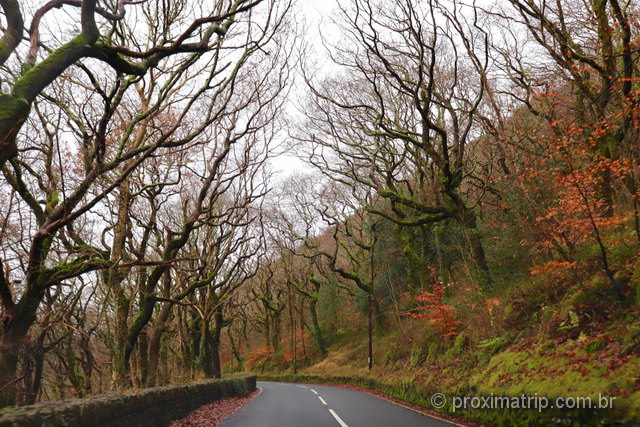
<point x="465" y="217"/>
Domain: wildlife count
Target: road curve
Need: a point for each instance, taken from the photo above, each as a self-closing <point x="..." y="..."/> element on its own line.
<point x="307" y="405"/>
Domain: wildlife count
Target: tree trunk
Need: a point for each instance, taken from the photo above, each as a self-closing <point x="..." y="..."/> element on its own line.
<point x="218" y="324"/>
<point x="154" y="344"/>
<point x="294" y="346"/>
<point x="205" y="352"/>
<point x="477" y="250"/>
<point x="143" y="359"/>
<point x="120" y="375"/>
<point x="317" y="332"/>
<point x="467" y="219"/>
<point x="191" y="352"/>
<point x="33" y="378"/>
<point x="234" y="350"/>
<point x="157" y="331"/>
<point x="14" y="335"/>
<point x="276" y="332"/>
<point x="379" y="320"/>
<point x="210" y="346"/>
<point x="370" y="299"/>
<point x="10" y="349"/>
<point x="267" y="330"/>
<point x="114" y="278"/>
<point x="87" y="363"/>
<point x="14" y="111"/>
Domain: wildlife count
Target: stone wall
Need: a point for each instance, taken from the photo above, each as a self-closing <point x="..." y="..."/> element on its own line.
<point x="149" y="407"/>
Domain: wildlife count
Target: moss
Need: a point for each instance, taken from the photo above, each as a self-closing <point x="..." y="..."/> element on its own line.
<point x="64" y="271"/>
<point x="46" y="245"/>
<point x="493" y="345"/>
<point x="54" y="199"/>
<point x="556" y="336"/>
<point x="514" y="372"/>
<point x="458" y="347"/>
<point x="594" y="346"/>
<point x="435" y="349"/>
<point x="12" y="107"/>
<point x="417" y="356"/>
<point x="130" y="409"/>
<point x="39" y="76"/>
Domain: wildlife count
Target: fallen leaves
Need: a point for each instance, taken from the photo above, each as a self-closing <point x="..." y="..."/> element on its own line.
<point x="214" y="413"/>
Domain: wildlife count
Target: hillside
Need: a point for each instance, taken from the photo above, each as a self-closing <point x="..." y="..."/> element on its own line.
<point x="561" y="332"/>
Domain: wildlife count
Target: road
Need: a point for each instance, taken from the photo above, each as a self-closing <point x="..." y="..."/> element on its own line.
<point x="307" y="405"/>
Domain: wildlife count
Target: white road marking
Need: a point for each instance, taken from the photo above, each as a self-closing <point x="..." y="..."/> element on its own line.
<point x="338" y="419"/>
<point x="322" y="400"/>
<point x="313" y="391"/>
<point x="303" y="386"/>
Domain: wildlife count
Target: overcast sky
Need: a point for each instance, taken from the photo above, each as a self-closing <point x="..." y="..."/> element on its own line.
<point x="316" y="16"/>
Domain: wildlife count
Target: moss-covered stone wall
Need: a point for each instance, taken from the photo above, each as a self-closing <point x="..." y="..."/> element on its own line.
<point x="153" y="406"/>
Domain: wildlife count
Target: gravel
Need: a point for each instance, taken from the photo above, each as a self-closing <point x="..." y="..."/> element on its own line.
<point x="214" y="413"/>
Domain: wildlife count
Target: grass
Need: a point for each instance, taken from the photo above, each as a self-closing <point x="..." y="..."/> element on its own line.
<point x="559" y="333"/>
<point x="562" y="349"/>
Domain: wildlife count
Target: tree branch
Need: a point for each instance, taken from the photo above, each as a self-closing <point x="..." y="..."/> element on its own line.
<point x="13" y="34"/>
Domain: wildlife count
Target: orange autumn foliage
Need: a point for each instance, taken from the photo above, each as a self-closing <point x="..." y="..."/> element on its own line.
<point x="443" y="317"/>
<point x="564" y="184"/>
<point x="259" y="355"/>
<point x="553" y="267"/>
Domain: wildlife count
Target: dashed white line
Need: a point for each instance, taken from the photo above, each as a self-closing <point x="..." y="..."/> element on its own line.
<point x="303" y="386"/>
<point x="338" y="419"/>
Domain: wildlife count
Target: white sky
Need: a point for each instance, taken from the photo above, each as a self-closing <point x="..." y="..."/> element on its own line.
<point x="316" y="16"/>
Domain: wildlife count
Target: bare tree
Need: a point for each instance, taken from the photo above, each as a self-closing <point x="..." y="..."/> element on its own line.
<point x="91" y="129"/>
<point x="104" y="36"/>
<point x="401" y="118"/>
<point x="584" y="59"/>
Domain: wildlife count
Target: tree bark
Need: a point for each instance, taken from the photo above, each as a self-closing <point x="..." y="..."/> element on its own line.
<point x="154" y="344"/>
<point x="468" y="220"/>
<point x="234" y="350"/>
<point x="317" y="332"/>
<point x="14" y="337"/>
<point x="215" y="343"/>
<point x="113" y="279"/>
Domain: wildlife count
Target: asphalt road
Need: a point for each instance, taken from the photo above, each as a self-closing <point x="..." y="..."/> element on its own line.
<point x="307" y="405"/>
